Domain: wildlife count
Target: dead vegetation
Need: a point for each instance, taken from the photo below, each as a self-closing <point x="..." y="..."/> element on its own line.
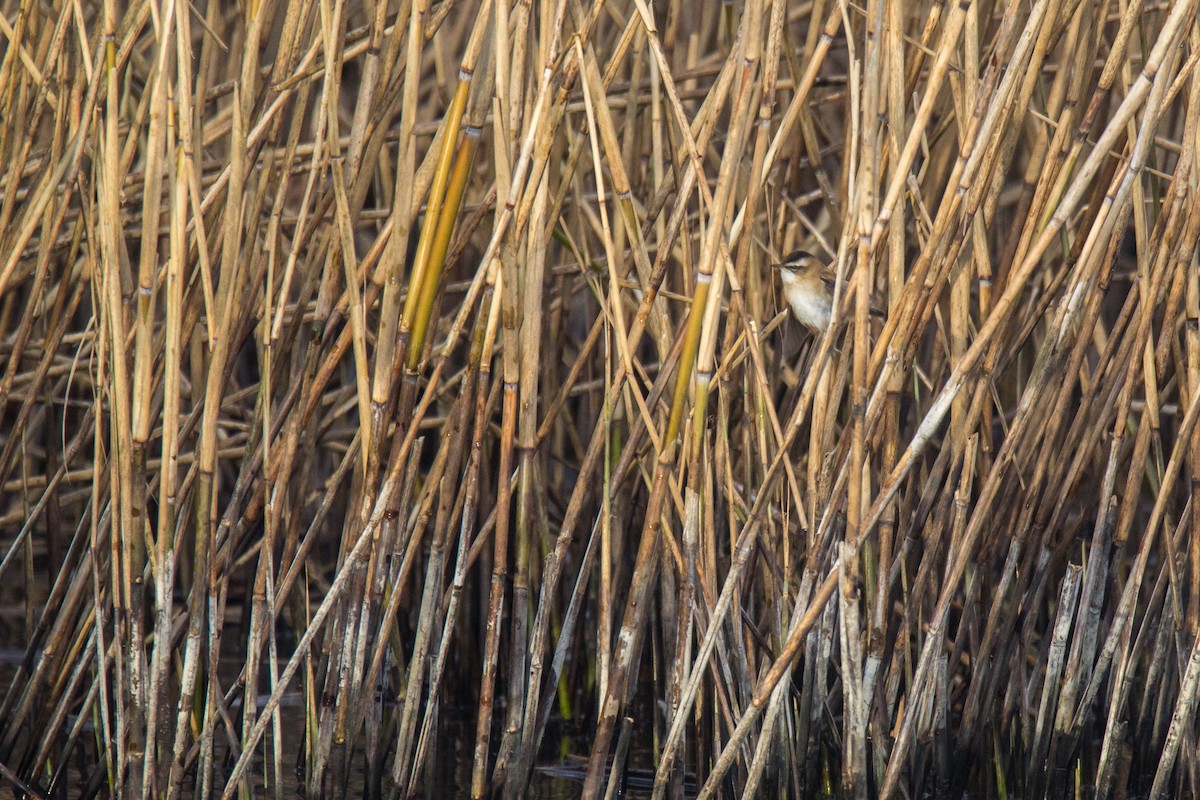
<point x="419" y="358"/>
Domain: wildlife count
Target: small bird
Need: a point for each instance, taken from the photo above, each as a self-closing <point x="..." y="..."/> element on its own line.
<point x="808" y="286"/>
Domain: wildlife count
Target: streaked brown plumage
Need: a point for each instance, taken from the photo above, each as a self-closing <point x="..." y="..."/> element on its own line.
<point x="808" y="286"/>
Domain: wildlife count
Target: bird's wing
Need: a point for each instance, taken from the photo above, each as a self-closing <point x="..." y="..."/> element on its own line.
<point x="829" y="278"/>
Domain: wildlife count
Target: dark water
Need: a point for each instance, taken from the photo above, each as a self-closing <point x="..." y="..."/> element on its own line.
<point x="447" y="774"/>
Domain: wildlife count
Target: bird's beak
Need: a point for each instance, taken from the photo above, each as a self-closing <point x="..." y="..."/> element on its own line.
<point x="777" y="266"/>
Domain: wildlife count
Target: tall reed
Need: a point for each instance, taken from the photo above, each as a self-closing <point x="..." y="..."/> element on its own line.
<point x="399" y="389"/>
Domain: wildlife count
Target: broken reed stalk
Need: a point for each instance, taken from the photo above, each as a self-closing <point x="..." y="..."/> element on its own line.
<point x="326" y="378"/>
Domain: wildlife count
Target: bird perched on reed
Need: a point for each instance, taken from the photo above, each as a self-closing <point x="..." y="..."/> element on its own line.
<point x="808" y="286"/>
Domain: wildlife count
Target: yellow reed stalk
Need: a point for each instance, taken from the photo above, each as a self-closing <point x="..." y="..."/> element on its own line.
<point x="452" y="123"/>
<point x="403" y="213"/>
<point x="441" y="244"/>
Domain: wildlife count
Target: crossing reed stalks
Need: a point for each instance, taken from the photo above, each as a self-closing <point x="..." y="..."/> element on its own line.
<point x="397" y="384"/>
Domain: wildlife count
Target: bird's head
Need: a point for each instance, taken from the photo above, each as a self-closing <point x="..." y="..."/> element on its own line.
<point x="799" y="266"/>
<point x="808" y="288"/>
<point x="798" y="260"/>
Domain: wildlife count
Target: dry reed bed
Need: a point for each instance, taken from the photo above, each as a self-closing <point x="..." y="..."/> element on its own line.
<point x="428" y="352"/>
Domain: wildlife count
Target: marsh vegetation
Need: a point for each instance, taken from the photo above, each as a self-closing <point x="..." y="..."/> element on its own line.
<point x="366" y="368"/>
